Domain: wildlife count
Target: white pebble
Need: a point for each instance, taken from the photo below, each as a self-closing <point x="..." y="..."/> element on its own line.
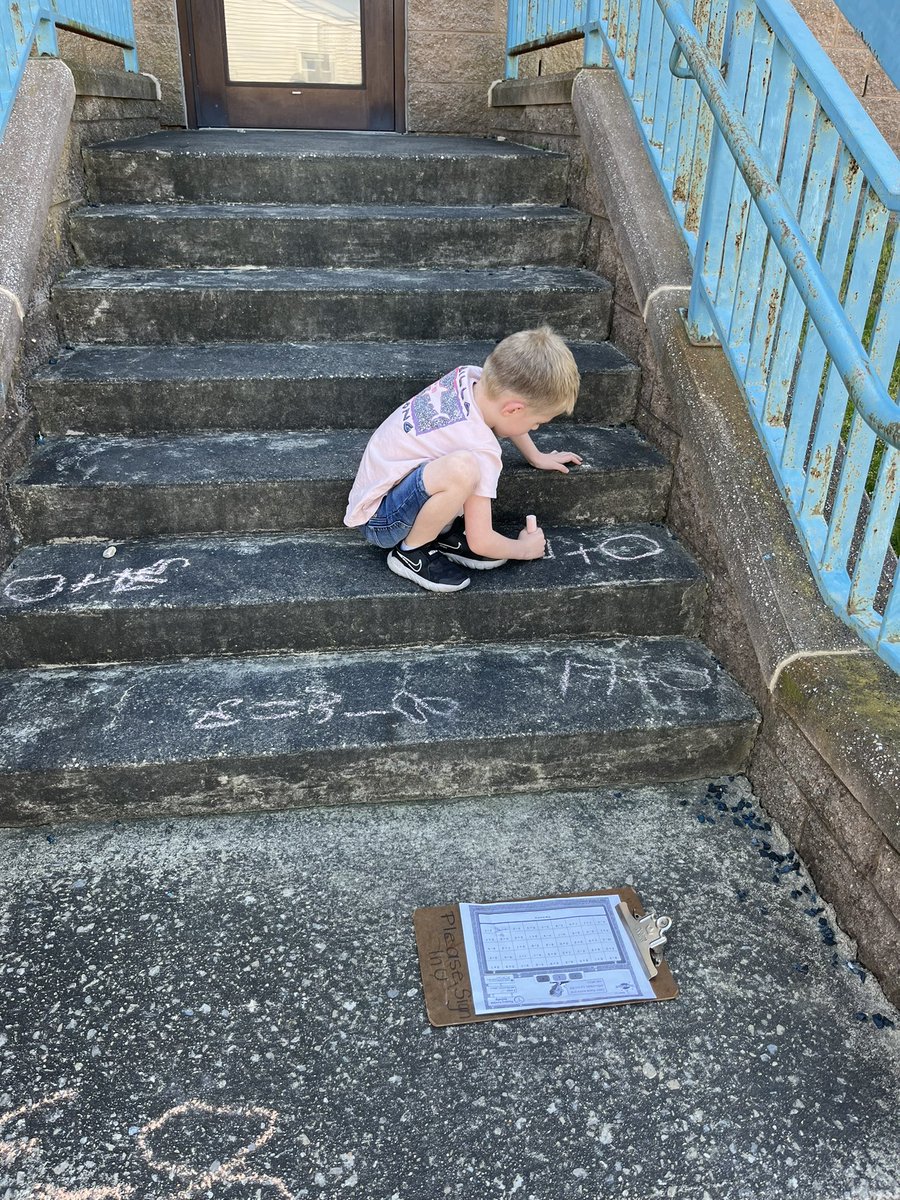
<point x="109" y="552"/>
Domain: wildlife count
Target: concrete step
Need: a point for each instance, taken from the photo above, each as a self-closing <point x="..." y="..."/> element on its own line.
<point x="296" y="304"/>
<point x="238" y="734"/>
<point x="241" y="482"/>
<point x="164" y="599"/>
<point x="143" y="389"/>
<point x="281" y="167"/>
<point x="364" y="235"/>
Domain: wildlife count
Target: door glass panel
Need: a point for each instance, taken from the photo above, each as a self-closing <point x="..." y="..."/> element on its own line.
<point x="294" y="41"/>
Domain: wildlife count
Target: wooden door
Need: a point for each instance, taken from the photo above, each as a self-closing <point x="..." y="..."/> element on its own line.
<point x="293" y="64"/>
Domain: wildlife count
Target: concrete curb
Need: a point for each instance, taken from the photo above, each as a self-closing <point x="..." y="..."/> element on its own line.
<point x="654" y="254"/>
<point x="115" y="85"/>
<point x="848" y="711"/>
<point x="548" y="89"/>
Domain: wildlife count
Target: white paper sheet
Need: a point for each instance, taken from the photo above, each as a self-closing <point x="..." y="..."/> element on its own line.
<point x="557" y="953"/>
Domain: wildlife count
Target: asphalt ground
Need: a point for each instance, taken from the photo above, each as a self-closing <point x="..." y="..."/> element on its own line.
<point x="231" y="1007"/>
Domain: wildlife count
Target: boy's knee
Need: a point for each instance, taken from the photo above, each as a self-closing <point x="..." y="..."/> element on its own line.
<point x="460" y="470"/>
<point x="457" y="472"/>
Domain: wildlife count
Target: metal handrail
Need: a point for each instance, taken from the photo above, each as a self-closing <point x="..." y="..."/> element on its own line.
<point x="788" y="200"/>
<point x="866" y="390"/>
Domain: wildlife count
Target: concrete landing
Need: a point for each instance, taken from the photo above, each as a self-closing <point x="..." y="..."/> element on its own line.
<point x="181" y="992"/>
<point x="259" y="166"/>
<point x="314" y="144"/>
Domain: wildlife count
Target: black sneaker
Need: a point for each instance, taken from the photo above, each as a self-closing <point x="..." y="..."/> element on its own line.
<point x="454" y="546"/>
<point x="427" y="568"/>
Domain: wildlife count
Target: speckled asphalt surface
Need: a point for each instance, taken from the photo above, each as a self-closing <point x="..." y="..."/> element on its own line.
<point x="231" y="1008"/>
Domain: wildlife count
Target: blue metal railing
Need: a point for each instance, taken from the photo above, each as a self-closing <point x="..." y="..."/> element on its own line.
<point x="26" y="23"/>
<point x="788" y="200"/>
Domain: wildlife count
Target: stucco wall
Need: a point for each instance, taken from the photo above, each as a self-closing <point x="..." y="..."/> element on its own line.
<point x="454" y="52"/>
<point x="856" y="62"/>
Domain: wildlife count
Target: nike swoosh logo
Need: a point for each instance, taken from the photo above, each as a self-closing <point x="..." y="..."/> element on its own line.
<point x="412" y="566"/>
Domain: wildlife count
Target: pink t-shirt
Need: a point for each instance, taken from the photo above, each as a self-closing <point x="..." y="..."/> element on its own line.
<point x="441" y="419"/>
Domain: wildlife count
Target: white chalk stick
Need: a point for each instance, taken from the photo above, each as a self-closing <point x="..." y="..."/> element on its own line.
<point x="531" y="523"/>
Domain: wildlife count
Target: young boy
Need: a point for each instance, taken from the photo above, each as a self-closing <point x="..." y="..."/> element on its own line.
<point x="437" y="456"/>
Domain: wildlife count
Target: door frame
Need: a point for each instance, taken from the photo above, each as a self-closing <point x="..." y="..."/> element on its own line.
<point x="184" y="14"/>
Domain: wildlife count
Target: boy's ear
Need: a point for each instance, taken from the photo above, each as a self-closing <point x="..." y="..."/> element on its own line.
<point x="511" y="408"/>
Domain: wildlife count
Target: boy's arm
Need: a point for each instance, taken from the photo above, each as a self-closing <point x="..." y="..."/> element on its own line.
<point x="554" y="460"/>
<point x="484" y="539"/>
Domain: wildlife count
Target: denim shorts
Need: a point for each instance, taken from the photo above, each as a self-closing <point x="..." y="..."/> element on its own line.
<point x="397" y="512"/>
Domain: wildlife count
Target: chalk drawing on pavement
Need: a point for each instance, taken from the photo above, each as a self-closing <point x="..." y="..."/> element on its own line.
<point x="189" y="1181"/>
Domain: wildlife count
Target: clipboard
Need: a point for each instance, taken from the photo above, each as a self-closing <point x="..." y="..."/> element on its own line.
<point x="445" y="970"/>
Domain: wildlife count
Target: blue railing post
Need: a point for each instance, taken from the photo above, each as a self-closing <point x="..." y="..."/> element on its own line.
<point x="701" y="326"/>
<point x="45" y="38"/>
<point x="533" y="24"/>
<point x="593" y="42"/>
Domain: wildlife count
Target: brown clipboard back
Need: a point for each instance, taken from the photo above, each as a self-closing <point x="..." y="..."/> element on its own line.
<point x="445" y="971"/>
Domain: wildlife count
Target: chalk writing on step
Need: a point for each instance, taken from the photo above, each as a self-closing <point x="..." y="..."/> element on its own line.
<point x="611" y="673"/>
<point x="321" y="705"/>
<point x="32" y="589"/>
<point x="618" y="547"/>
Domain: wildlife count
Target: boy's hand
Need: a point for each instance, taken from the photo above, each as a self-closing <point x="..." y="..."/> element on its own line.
<point x="554" y="460"/>
<point x="533" y="543"/>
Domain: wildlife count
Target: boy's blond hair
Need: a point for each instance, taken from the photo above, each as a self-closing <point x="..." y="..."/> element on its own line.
<point x="537" y="365"/>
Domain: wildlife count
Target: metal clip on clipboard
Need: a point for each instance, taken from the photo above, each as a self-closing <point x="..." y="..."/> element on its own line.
<point x="648" y="935"/>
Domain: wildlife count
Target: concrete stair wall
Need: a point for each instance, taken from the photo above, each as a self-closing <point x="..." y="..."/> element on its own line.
<point x="231" y="345"/>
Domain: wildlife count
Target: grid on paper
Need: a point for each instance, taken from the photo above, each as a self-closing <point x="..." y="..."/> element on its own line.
<point x="545" y="944"/>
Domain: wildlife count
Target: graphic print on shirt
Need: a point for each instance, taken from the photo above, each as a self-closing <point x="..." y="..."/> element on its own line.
<point x="437" y="407"/>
